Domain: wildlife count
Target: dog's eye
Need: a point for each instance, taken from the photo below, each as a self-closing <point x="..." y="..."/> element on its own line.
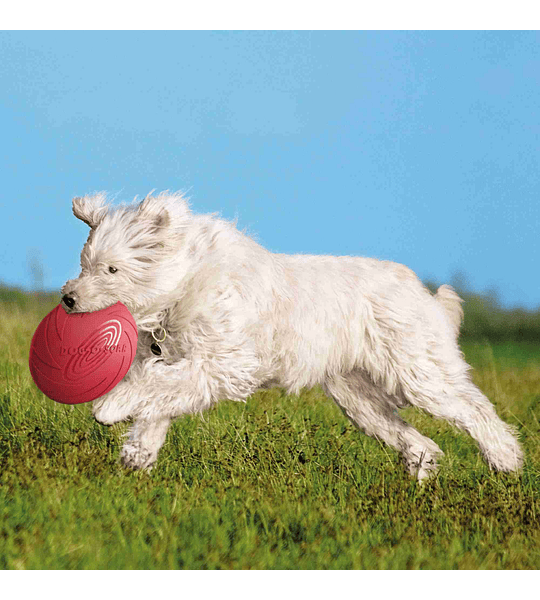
<point x="112" y="269"/>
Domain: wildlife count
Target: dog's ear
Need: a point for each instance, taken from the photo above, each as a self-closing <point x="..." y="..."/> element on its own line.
<point x="90" y="209"/>
<point x="152" y="209"/>
<point x="164" y="210"/>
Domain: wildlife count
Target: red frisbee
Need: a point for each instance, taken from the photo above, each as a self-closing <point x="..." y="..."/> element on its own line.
<point x="79" y="357"/>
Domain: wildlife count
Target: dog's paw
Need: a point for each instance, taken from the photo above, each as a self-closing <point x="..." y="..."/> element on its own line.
<point x="104" y="419"/>
<point x="108" y="413"/>
<point x="135" y="456"/>
<point x="423" y="464"/>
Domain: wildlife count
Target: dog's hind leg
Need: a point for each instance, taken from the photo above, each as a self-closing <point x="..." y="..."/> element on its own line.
<point x="145" y="438"/>
<point x="371" y="409"/>
<point x="464" y="405"/>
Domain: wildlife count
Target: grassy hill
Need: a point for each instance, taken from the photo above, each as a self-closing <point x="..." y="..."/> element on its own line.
<point x="280" y="482"/>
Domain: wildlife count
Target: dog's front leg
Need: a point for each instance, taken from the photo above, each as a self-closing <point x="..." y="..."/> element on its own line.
<point x="117" y="405"/>
<point x="156" y="393"/>
<point x="145" y="438"/>
<point x="121" y="402"/>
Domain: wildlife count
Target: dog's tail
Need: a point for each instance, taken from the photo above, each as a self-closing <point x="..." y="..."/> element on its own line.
<point x="451" y="302"/>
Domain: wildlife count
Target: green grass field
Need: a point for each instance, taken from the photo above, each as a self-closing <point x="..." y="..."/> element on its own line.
<point x="277" y="483"/>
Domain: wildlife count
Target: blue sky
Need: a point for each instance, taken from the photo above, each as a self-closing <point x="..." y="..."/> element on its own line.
<point x="417" y="147"/>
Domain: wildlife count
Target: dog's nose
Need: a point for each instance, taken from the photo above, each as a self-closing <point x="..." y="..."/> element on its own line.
<point x="68" y="301"/>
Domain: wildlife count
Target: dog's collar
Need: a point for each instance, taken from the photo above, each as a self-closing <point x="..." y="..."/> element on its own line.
<point x="159" y="338"/>
<point x="162" y="334"/>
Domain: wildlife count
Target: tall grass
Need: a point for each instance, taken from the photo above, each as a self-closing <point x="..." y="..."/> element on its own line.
<point x="276" y="483"/>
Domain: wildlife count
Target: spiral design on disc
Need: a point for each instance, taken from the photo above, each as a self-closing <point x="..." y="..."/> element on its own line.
<point x="95" y="350"/>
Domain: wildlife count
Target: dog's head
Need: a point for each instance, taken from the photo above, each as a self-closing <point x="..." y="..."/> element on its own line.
<point x="129" y="254"/>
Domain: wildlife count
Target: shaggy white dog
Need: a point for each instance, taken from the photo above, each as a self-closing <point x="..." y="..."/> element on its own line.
<point x="232" y="318"/>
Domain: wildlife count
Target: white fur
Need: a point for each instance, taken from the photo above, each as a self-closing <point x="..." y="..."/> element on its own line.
<point x="239" y="318"/>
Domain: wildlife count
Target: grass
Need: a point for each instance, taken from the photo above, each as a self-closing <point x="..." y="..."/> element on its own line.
<point x="277" y="483"/>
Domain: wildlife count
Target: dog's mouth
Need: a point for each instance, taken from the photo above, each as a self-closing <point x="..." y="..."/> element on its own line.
<point x="72" y="305"/>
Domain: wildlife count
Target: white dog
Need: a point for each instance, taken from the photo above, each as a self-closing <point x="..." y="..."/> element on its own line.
<point x="232" y="318"/>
